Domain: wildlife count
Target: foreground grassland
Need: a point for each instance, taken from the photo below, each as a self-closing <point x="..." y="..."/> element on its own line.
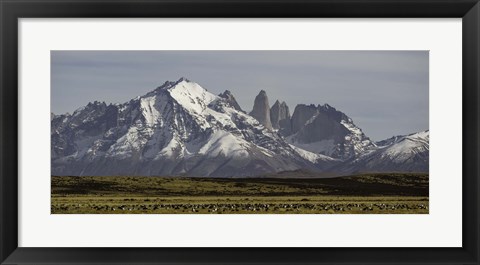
<point x="362" y="194"/>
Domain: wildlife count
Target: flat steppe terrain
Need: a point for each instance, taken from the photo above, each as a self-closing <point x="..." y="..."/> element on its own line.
<point x="393" y="193"/>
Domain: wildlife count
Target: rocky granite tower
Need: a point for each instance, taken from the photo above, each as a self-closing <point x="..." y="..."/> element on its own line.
<point x="280" y="116"/>
<point x="261" y="109"/>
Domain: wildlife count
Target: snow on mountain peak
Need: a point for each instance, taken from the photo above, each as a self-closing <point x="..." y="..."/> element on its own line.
<point x="188" y="94"/>
<point x="423" y="135"/>
<point x="409" y="144"/>
<point x="169" y="84"/>
<point x="192" y="96"/>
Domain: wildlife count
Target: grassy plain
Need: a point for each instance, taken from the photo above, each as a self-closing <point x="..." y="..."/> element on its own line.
<point x="361" y="194"/>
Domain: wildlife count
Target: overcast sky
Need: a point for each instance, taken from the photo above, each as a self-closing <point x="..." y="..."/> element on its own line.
<point x="384" y="92"/>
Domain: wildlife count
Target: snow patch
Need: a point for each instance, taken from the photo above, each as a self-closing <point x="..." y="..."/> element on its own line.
<point x="191" y="96"/>
<point x="149" y="110"/>
<point x="312" y="157"/>
<point x="221" y="142"/>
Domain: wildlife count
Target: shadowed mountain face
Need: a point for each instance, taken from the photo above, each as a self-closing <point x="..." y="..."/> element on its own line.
<point x="324" y="130"/>
<point x="301" y="115"/>
<point x="182" y="129"/>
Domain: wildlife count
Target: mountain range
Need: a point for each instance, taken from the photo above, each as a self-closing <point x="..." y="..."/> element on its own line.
<point x="181" y="129"/>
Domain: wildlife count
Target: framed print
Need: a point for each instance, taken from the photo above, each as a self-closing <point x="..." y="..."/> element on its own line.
<point x="230" y="132"/>
<point x="204" y="153"/>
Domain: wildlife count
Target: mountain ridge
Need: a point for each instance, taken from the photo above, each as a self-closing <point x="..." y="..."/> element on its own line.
<point x="182" y="129"/>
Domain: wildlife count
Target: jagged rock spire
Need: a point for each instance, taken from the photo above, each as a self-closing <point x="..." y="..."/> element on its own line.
<point x="228" y="96"/>
<point x="261" y="109"/>
<point x="279" y="113"/>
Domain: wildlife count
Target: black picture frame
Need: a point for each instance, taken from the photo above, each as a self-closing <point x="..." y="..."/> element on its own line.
<point x="12" y="10"/>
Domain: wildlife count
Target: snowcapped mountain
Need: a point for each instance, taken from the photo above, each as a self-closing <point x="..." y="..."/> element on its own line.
<point x="178" y="129"/>
<point x="182" y="129"/>
<point x="408" y="153"/>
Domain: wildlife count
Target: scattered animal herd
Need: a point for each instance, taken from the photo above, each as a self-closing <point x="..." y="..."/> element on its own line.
<point x="297" y="207"/>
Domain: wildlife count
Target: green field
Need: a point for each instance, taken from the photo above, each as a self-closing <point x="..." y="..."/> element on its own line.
<point x="361" y="194"/>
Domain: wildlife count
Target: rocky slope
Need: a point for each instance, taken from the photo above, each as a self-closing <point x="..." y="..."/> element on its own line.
<point x="230" y="99"/>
